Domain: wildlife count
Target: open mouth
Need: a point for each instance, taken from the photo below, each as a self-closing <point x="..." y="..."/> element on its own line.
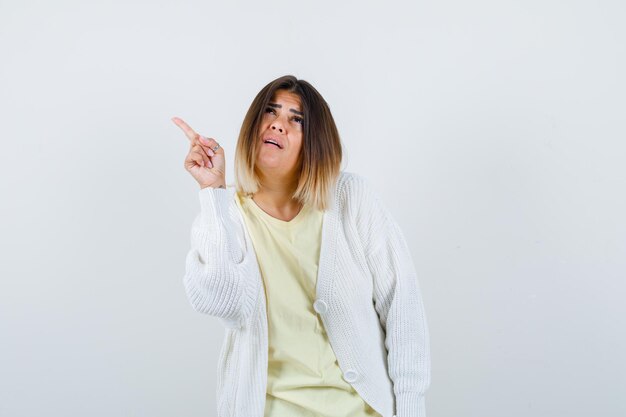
<point x="272" y="142"/>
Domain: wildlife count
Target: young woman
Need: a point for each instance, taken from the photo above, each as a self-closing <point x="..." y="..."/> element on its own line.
<point x="307" y="269"/>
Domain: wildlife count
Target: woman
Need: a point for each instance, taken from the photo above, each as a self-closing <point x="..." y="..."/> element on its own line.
<point x="306" y="268"/>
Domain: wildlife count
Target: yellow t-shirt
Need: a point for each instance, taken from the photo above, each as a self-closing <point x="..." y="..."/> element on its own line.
<point x="304" y="378"/>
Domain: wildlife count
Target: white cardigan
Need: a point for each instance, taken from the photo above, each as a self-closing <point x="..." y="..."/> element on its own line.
<point x="368" y="299"/>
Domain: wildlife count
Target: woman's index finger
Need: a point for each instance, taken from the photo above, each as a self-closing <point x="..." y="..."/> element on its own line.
<point x="189" y="132"/>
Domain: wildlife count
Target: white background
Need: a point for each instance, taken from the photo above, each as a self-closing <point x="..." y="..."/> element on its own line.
<point x="495" y="131"/>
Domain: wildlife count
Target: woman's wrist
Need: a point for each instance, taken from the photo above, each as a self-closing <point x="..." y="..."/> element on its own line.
<point x="220" y="185"/>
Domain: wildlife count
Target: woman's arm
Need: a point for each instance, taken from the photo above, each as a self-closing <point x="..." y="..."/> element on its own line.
<point x="398" y="302"/>
<point x="219" y="271"/>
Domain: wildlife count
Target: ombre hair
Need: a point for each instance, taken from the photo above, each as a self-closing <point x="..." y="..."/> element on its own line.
<point x="321" y="152"/>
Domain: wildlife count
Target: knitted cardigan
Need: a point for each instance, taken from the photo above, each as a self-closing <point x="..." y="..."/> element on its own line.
<point x="367" y="296"/>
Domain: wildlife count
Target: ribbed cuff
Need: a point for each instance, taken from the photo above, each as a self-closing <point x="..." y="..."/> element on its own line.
<point x="215" y="201"/>
<point x="410" y="404"/>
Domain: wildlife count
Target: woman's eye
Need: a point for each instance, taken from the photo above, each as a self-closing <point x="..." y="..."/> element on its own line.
<point x="299" y="120"/>
<point x="269" y="109"/>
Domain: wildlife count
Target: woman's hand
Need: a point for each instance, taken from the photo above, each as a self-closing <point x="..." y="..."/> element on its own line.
<point x="207" y="166"/>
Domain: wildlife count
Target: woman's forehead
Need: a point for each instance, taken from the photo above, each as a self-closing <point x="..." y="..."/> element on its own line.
<point x="282" y="95"/>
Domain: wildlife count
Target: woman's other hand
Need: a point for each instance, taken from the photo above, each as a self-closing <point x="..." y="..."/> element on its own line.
<point x="207" y="166"/>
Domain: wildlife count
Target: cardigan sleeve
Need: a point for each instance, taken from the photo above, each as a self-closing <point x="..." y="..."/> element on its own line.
<point x="218" y="269"/>
<point x="398" y="302"/>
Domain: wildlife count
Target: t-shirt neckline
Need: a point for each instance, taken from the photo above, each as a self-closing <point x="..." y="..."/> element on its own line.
<point x="298" y="217"/>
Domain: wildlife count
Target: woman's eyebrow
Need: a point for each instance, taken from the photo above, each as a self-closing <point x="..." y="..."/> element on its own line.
<point x="280" y="106"/>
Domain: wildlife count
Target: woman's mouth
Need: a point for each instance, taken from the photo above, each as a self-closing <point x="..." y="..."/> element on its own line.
<point x="272" y="142"/>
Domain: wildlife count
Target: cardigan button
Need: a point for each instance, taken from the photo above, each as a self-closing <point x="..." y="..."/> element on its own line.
<point x="350" y="375"/>
<point x="320" y="306"/>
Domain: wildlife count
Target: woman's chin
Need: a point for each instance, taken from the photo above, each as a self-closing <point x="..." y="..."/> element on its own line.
<point x="268" y="162"/>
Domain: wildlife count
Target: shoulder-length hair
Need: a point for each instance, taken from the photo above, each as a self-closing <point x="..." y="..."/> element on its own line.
<point x="321" y="152"/>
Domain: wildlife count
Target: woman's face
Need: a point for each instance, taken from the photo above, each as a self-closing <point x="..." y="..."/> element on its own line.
<point x="282" y="123"/>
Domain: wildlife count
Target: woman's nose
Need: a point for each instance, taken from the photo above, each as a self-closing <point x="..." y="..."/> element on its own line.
<point x="276" y="125"/>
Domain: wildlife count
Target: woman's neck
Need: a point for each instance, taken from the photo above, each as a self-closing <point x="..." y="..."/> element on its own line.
<point x="275" y="198"/>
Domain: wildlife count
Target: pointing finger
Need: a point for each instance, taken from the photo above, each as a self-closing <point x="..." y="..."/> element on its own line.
<point x="189" y="132"/>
